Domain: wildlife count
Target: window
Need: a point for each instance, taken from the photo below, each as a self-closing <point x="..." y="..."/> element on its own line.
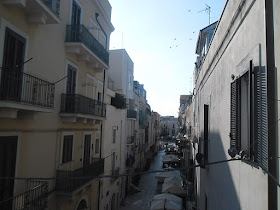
<point x="76" y="14"/>
<point x="87" y="144"/>
<point x="93" y="28"/>
<point x="102" y="39"/>
<point x="99" y="96"/>
<point x="114" y="134"/>
<point x="173" y="132"/>
<point x="113" y="162"/>
<point x="248" y="125"/>
<point x="13" y="55"/>
<point x="67" y="148"/>
<point x="96" y="146"/>
<point x="71" y="80"/>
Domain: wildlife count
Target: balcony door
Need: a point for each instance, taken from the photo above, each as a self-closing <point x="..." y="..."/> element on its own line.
<point x="87" y="144"/>
<point x="11" y="76"/>
<point x="76" y="21"/>
<point x="71" y="89"/>
<point x="8" y="151"/>
<point x="76" y="14"/>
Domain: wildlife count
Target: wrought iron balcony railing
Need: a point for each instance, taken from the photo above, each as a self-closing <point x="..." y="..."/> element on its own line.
<point x="79" y="33"/>
<point x="36" y="197"/>
<point x="21" y="87"/>
<point x="131" y="114"/>
<point x="78" y="104"/>
<point x="53" y="5"/>
<point x="66" y="181"/>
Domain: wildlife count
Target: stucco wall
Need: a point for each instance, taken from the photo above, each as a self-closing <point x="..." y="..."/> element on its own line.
<point x="233" y="185"/>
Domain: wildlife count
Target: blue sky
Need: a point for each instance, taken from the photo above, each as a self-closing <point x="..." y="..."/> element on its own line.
<point x="160" y="37"/>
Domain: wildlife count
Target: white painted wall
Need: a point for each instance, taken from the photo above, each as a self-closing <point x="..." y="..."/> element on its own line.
<point x="232" y="185"/>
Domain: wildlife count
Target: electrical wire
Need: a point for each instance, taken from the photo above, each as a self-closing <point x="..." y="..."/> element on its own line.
<point x="17" y="66"/>
<point x="134" y="174"/>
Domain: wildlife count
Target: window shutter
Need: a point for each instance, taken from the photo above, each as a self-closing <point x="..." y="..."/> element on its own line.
<point x="235" y="124"/>
<point x="261" y="129"/>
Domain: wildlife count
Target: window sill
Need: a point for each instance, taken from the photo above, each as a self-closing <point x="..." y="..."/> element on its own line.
<point x="251" y="163"/>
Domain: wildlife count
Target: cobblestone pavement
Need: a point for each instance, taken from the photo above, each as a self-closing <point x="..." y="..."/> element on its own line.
<point x="148" y="187"/>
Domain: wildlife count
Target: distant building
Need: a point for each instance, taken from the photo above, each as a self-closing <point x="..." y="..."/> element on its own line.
<point x="169" y="126"/>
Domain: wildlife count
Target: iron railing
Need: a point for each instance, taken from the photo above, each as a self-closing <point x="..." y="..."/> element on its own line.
<point x="67" y="182"/>
<point x="78" y="104"/>
<point x="36" y="197"/>
<point x="131" y="114"/>
<point x="21" y="87"/>
<point x="53" y="5"/>
<point x="79" y="33"/>
<point x="130" y="139"/>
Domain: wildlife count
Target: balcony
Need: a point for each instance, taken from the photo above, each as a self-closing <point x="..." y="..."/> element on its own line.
<point x="38" y="11"/>
<point x="34" y="198"/>
<point x="81" y="42"/>
<point x="74" y="106"/>
<point x="130" y="140"/>
<point x="25" y="93"/>
<point x="131" y="114"/>
<point x="66" y="182"/>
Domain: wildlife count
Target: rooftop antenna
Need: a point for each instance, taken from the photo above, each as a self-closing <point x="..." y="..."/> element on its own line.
<point x="207" y="10"/>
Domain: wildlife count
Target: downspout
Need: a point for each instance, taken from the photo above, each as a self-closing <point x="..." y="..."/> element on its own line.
<point x="271" y="105"/>
<point x="96" y="16"/>
<point x="101" y="132"/>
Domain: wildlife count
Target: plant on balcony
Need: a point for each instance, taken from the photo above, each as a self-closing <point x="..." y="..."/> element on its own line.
<point x="119" y="101"/>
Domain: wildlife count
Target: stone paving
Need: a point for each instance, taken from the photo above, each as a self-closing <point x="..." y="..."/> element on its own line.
<point x="148" y="187"/>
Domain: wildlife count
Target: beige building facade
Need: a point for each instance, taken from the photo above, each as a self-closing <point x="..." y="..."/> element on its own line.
<point x="52" y="107"/>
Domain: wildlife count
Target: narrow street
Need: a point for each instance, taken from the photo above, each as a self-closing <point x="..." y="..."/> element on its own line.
<point x="147" y="187"/>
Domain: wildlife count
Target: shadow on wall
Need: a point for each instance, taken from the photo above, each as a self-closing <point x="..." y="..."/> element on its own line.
<point x="217" y="189"/>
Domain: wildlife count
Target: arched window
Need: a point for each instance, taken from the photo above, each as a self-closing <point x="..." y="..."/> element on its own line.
<point x="82" y="205"/>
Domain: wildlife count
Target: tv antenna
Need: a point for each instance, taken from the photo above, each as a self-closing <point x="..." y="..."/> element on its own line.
<point x="207" y="10"/>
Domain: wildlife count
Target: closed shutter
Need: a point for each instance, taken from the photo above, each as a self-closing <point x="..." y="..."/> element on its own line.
<point x="235" y="109"/>
<point x="261" y="129"/>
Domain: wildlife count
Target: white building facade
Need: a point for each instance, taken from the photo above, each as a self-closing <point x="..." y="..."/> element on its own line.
<point x="234" y="115"/>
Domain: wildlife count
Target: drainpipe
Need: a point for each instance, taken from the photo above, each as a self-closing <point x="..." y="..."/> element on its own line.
<point x="271" y="104"/>
<point x="96" y="16"/>
<point x="101" y="132"/>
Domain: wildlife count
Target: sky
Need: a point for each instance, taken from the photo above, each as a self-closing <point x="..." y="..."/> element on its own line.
<point x="160" y="37"/>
